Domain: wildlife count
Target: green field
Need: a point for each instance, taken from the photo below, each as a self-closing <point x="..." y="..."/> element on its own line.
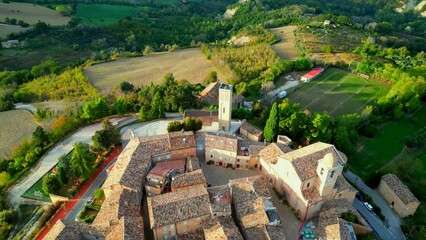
<point x="338" y="92"/>
<point x="377" y="153"/>
<point x="386" y="153"/>
<point x="102" y="14"/>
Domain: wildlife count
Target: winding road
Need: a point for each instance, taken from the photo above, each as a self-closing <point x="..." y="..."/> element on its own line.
<point x="393" y="231"/>
<point x="51" y="158"/>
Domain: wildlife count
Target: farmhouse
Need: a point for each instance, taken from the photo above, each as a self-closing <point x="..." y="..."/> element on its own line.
<point x="250" y="131"/>
<point x="307" y="177"/>
<point x="314" y="73"/>
<point x="398" y="195"/>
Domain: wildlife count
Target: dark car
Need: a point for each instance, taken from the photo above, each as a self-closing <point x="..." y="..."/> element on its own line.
<point x="360" y="196"/>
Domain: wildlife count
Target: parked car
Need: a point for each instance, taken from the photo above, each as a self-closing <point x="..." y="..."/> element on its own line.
<point x="282" y="94"/>
<point x="368" y="206"/>
<point x="360" y="196"/>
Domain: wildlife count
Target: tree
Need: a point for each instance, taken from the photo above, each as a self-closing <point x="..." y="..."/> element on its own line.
<point x="192" y="124"/>
<point x="40" y="137"/>
<point x="342" y="140"/>
<point x="120" y="106"/>
<point x="143" y="113"/>
<point x="51" y="183"/>
<point x="82" y="160"/>
<point x="174" y="126"/>
<point x="62" y="174"/>
<point x="211" y="77"/>
<point x="95" y="109"/>
<point x="99" y="193"/>
<point x="41" y="26"/>
<point x="4" y="179"/>
<point x="272" y="124"/>
<point x="105" y="138"/>
<point x="126" y="87"/>
<point x="320" y="129"/>
<point x="157" y="107"/>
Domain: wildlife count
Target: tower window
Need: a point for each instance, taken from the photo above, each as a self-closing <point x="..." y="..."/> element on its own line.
<point x="223" y="110"/>
<point x="332" y="174"/>
<point x="322" y="171"/>
<point x="307" y="185"/>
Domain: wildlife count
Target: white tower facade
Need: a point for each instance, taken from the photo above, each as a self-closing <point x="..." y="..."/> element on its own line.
<point x="225" y="107"/>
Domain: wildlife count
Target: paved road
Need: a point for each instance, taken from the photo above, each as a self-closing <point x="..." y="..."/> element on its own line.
<point x="393" y="222"/>
<point x="72" y="215"/>
<point x="50" y="159"/>
<point x="374" y="221"/>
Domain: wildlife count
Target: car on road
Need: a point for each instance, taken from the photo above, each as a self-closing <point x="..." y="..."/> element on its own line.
<point x="360" y="196"/>
<point x="368" y="206"/>
<point x="282" y="94"/>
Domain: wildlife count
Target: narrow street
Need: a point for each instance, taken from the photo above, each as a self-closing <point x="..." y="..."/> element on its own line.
<point x="392" y="220"/>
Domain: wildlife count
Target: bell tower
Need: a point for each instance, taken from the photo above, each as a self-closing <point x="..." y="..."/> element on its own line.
<point x="225" y="107"/>
<point x="328" y="170"/>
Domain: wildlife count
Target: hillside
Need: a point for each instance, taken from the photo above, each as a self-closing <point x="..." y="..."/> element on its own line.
<point x="189" y="64"/>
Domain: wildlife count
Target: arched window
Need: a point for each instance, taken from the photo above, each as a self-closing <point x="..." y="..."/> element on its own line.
<point x="332" y="174"/>
<point x="322" y="171"/>
<point x="307" y="185"/>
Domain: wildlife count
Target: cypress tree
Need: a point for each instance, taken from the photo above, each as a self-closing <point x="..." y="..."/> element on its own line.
<point x="272" y="124"/>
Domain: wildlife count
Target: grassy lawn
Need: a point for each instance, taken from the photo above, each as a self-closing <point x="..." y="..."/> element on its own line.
<point x="102" y="14"/>
<point x="36" y="192"/>
<point x="338" y="92"/>
<point x="377" y="153"/>
<point x="386" y="153"/>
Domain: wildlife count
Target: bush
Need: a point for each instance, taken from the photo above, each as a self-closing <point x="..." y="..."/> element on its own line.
<point x="88" y="219"/>
<point x="350" y="217"/>
<point x="51" y="184"/>
<point x="99" y="193"/>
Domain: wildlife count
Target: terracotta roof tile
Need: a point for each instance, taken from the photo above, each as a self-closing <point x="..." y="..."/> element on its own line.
<point x="222" y="142"/>
<point x="178" y="206"/>
<point x="248" y="204"/>
<point x="73" y="230"/>
<point x="181" y="140"/>
<point x="273" y="151"/>
<point x="400" y="189"/>
<point x="220" y="198"/>
<point x="120" y="203"/>
<point x="188" y="179"/>
<point x="211" y="89"/>
<point x="305" y="160"/>
<point x="221" y="228"/>
<point x="128" y="228"/>
<point x="276" y="232"/>
<point x="311" y="194"/>
<point x="250" y="128"/>
<point x="192" y="164"/>
<point x="257" y="233"/>
<point x="254" y="150"/>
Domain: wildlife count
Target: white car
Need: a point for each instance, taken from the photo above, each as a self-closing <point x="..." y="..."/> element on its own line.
<point x="368" y="206"/>
<point x="282" y="94"/>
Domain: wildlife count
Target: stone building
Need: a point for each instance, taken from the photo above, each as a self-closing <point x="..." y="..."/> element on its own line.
<point x="225" y="107"/>
<point x="231" y="151"/>
<point x="179" y="212"/>
<point x="307" y="177"/>
<point x="251" y="132"/>
<point x="397" y="194"/>
<point x="160" y="176"/>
